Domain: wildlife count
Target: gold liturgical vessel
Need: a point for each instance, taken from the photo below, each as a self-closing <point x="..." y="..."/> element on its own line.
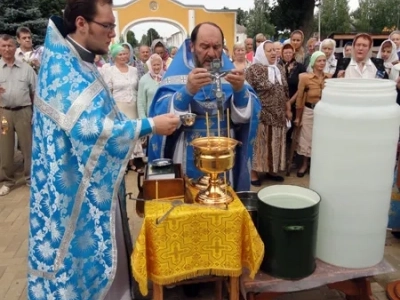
<point x="4" y="125"/>
<point x="214" y="155"/>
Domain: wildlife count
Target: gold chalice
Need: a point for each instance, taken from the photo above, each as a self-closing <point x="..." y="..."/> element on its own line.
<point x="188" y="119"/>
<point x="214" y="155"/>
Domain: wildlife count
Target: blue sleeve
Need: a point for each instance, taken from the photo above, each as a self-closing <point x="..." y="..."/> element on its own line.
<point x="146" y="127"/>
<point x="181" y="99"/>
<point x="241" y="98"/>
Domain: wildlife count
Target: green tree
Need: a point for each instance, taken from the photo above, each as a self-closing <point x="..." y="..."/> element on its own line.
<point x="335" y="17"/>
<point x="242" y="17"/>
<point x="258" y="19"/>
<point x="16" y="13"/>
<point x="152" y="35"/>
<point x="362" y="15"/>
<point x="144" y="40"/>
<point x="51" y="8"/>
<point x="131" y="39"/>
<point x="291" y="15"/>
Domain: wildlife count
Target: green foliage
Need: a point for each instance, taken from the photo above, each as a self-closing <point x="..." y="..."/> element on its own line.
<point x="152" y="35"/>
<point x="32" y="14"/>
<point x="335" y="17"/>
<point x="28" y="16"/>
<point x="291" y="15"/>
<point x="131" y="39"/>
<point x="375" y="16"/>
<point x="258" y="20"/>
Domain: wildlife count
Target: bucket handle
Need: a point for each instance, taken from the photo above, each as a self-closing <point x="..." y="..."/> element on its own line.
<point x="293" y="228"/>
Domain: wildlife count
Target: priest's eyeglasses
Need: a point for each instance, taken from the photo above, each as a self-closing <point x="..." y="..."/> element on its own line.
<point x="108" y="26"/>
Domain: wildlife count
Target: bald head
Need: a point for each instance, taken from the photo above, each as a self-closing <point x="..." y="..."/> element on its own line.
<point x="144" y="53"/>
<point x="207" y="42"/>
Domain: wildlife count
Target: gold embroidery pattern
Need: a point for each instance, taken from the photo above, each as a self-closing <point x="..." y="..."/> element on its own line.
<point x="195" y="241"/>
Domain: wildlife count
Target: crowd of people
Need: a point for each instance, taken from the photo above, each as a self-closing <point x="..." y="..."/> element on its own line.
<point x="95" y="119"/>
<point x="285" y="76"/>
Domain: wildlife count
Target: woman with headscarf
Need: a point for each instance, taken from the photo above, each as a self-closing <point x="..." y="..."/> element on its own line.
<point x="159" y="47"/>
<point x="122" y="81"/>
<point x="297" y="39"/>
<point x="395" y="37"/>
<point x="328" y="47"/>
<point x="308" y="94"/>
<point x="131" y="54"/>
<point x="148" y="85"/>
<point x="268" y="80"/>
<point x="388" y="52"/>
<point x="347" y="49"/>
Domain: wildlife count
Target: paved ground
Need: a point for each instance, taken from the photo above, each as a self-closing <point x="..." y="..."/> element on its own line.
<point x="14" y="242"/>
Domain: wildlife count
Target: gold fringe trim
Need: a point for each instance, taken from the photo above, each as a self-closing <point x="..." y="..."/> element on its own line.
<point x="162" y="280"/>
<point x="256" y="267"/>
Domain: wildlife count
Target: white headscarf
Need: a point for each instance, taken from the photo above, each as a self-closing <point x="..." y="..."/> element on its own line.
<point x="274" y="74"/>
<point x="393" y="55"/>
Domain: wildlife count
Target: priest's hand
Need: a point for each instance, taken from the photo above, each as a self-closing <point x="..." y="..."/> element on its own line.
<point x="165" y="124"/>
<point x="197" y="79"/>
<point x="236" y="78"/>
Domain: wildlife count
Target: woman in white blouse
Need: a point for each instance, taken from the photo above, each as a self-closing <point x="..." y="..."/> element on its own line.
<point x="122" y="80"/>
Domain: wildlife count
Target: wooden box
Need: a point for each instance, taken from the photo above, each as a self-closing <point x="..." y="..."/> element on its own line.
<point x="167" y="188"/>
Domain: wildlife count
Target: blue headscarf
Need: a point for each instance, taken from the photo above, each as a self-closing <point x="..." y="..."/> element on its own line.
<point x="131" y="54"/>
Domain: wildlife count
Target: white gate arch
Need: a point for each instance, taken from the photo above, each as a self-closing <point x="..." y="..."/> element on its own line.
<point x="178" y="25"/>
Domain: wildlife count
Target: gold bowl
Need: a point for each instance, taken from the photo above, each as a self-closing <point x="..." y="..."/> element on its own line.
<point x="214" y="155"/>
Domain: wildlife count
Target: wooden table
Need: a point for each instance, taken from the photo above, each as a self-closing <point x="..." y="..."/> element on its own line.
<point x="354" y="283"/>
<point x="195" y="241"/>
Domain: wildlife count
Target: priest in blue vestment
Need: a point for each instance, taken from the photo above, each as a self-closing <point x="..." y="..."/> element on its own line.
<point x="79" y="235"/>
<point x="187" y="86"/>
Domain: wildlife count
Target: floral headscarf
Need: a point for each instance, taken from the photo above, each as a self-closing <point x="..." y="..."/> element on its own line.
<point x="153" y="75"/>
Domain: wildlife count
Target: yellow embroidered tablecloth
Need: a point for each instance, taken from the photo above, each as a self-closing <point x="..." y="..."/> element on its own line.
<point x="195" y="241"/>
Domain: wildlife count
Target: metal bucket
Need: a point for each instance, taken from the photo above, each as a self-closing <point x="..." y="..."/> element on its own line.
<point x="250" y="201"/>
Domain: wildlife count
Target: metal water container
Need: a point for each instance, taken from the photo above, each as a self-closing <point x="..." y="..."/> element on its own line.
<point x="355" y="134"/>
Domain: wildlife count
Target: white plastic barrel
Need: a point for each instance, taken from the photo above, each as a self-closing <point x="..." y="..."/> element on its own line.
<point x="355" y="135"/>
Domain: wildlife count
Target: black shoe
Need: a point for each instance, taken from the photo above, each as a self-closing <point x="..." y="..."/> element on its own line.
<point x="301" y="174"/>
<point x="274" y="177"/>
<point x="256" y="182"/>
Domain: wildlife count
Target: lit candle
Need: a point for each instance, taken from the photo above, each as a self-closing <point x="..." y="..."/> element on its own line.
<point x="228" y="119"/>
<point x="219" y="129"/>
<point x="208" y="126"/>
<point x="226" y="186"/>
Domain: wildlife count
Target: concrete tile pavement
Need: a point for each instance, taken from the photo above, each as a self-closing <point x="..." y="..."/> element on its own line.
<point x="14" y="214"/>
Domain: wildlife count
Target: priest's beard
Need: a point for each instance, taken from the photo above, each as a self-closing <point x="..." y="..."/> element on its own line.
<point x="206" y="64"/>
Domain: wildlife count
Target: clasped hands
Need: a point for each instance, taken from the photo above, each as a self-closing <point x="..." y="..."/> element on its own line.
<point x="200" y="77"/>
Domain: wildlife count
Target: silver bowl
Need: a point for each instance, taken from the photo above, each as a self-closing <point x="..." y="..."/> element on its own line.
<point x="188" y="119"/>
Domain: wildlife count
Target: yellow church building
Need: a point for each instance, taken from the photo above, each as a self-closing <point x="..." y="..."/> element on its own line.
<point x="184" y="17"/>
